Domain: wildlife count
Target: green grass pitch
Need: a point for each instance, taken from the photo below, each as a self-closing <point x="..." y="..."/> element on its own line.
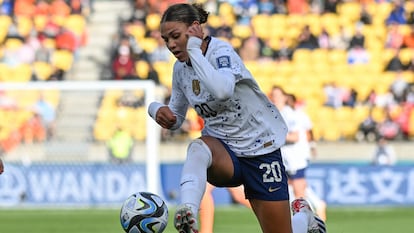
<point x="232" y="219"/>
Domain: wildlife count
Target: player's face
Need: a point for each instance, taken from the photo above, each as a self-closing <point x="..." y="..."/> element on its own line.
<point x="175" y="37"/>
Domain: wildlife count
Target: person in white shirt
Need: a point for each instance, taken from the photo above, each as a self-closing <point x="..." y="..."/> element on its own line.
<point x="243" y="130"/>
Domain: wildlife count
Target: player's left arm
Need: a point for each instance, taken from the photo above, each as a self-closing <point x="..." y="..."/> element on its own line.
<point x="219" y="83"/>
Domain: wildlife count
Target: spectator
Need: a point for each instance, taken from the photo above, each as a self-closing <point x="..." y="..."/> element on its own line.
<point x="399" y="87"/>
<point x="395" y="63"/>
<point x="47" y="114"/>
<point x="330" y="6"/>
<point x="284" y="52"/>
<point x="384" y="153"/>
<point x="397" y="14"/>
<point x="307" y="40"/>
<point x="67" y="40"/>
<point x="299" y="7"/>
<point x="367" y="129"/>
<point x="342" y="39"/>
<point x="365" y="17"/>
<point x="358" y="39"/>
<point x="333" y="95"/>
<point x="394" y="39"/>
<point x="388" y="128"/>
<point x="408" y="39"/>
<point x="120" y="146"/>
<point x="161" y="52"/>
<point x="324" y="39"/>
<point x="245" y="10"/>
<point x="140" y="11"/>
<point x="250" y="49"/>
<point x="266" y="7"/>
<point x="357" y="55"/>
<point x="123" y="66"/>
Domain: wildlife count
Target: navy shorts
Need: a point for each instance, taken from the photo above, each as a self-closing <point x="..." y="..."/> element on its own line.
<point x="298" y="174"/>
<point x="264" y="177"/>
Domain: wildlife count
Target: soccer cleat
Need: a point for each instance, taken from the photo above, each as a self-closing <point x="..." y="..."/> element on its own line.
<point x="316" y="225"/>
<point x="184" y="220"/>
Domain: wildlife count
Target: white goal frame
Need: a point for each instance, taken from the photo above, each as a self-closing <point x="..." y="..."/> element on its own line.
<point x="152" y="142"/>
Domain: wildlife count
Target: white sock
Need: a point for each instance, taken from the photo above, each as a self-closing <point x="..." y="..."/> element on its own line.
<point x="194" y="174"/>
<point x="300" y="223"/>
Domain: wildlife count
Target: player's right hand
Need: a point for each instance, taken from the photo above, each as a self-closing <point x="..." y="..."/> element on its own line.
<point x="165" y="117"/>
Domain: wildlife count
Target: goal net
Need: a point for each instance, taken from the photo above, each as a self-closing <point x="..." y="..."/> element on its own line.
<point x="55" y="139"/>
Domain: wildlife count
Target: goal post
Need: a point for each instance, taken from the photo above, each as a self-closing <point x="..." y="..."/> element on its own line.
<point x="150" y="143"/>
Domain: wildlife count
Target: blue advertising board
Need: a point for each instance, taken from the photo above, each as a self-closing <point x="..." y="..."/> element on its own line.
<point x="106" y="184"/>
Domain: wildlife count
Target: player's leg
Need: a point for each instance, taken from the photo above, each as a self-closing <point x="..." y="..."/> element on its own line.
<point x="273" y="216"/>
<point x="317" y="203"/>
<point x="206" y="157"/>
<point x="298" y="182"/>
<point x="237" y="193"/>
<point x="302" y="212"/>
<point x="266" y="187"/>
<point x="207" y="210"/>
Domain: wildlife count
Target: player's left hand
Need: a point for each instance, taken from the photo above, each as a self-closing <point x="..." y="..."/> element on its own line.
<point x="195" y="30"/>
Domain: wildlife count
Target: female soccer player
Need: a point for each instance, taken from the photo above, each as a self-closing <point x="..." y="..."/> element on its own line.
<point x="243" y="131"/>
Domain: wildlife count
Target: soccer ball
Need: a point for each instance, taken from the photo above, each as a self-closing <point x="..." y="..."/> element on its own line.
<point x="144" y="212"/>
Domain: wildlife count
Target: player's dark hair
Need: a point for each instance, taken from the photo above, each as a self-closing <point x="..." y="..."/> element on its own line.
<point x="185" y="13"/>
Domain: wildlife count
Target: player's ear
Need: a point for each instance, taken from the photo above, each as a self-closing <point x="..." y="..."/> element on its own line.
<point x="195" y="23"/>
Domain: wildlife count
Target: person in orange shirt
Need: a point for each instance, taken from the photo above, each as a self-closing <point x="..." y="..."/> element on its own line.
<point x="408" y="39"/>
<point x="60" y="8"/>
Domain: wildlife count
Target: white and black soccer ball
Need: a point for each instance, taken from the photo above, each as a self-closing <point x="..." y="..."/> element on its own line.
<point x="144" y="212"/>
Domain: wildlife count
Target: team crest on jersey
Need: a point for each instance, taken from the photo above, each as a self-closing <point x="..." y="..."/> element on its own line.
<point x="196" y="86"/>
<point x="223" y="62"/>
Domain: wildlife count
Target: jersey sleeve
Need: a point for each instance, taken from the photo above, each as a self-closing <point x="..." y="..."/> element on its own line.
<point x="219" y="80"/>
<point x="178" y="102"/>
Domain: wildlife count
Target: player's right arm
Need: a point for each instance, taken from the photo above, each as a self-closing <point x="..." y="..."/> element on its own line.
<point x="170" y="116"/>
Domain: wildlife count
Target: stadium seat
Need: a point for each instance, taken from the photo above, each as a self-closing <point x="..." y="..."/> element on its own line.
<point x="142" y="69"/>
<point x="75" y="23"/>
<point x="21" y="73"/>
<point x="153" y="21"/>
<point x="24" y="25"/>
<point x="43" y="70"/>
<point x="62" y="59"/>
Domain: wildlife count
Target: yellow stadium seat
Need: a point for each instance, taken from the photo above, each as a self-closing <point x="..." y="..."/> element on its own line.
<point x="242" y="31"/>
<point x="62" y="59"/>
<point x="153" y="21"/>
<point x="13" y="43"/>
<point x="142" y="68"/>
<point x="75" y="23"/>
<point x="351" y="10"/>
<point x="406" y="54"/>
<point x="138" y="31"/>
<point x="261" y="25"/>
<point x="337" y="56"/>
<point x="43" y="70"/>
<point x="24" y="25"/>
<point x="39" y="22"/>
<point x="21" y="73"/>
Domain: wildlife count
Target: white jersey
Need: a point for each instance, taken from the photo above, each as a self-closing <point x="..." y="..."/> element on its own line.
<point x="305" y="124"/>
<point x="245" y="120"/>
<point x="293" y="156"/>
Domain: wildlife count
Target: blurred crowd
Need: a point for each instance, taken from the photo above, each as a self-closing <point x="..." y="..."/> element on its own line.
<point x="40" y="40"/>
<point x="369" y="45"/>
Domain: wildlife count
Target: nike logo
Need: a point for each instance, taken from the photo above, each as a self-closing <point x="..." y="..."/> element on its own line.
<point x="271" y="190"/>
